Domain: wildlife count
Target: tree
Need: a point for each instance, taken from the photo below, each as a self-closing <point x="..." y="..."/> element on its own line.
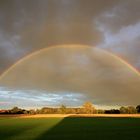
<point x="63" y="109"/>
<point x="131" y="110"/>
<point x="88" y="108"/>
<point x="16" y="110"/>
<point x="44" y="110"/>
<point x="25" y="112"/>
<point x="128" y="110"/>
<point x="112" y="111"/>
<point x="32" y="111"/>
<point x="100" y="111"/>
<point x="138" y="108"/>
<point x="123" y="110"/>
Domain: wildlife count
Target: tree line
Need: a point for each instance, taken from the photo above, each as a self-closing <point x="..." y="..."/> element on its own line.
<point x="86" y="108"/>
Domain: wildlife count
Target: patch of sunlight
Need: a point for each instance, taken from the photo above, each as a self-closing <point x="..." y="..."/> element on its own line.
<point x="34" y="133"/>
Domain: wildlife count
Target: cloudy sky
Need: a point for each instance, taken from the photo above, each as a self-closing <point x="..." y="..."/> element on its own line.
<point x="27" y="26"/>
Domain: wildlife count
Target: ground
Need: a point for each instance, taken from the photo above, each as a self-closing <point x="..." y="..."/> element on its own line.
<point x="69" y="128"/>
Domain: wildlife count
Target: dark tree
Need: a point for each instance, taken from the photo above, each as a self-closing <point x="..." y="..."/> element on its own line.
<point x="138" y="108"/>
<point x="16" y="110"/>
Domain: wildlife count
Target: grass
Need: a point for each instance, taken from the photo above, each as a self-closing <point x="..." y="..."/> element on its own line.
<point x="100" y="128"/>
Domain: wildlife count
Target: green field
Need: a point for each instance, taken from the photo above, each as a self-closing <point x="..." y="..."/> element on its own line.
<point x="100" y="128"/>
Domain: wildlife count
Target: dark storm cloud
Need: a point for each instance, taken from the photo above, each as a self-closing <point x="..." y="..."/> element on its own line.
<point x="26" y="26"/>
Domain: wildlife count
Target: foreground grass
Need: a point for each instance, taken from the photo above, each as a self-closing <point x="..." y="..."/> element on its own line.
<point x="100" y="128"/>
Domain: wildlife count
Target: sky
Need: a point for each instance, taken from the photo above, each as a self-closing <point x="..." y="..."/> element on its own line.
<point x="27" y="26"/>
<point x="70" y="75"/>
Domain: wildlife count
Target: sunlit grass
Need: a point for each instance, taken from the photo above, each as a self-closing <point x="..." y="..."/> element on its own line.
<point x="25" y="129"/>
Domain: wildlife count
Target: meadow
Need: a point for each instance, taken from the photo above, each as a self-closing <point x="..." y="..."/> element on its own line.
<point x="70" y="128"/>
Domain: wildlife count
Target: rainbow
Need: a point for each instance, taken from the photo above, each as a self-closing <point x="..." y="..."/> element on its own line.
<point x="44" y="49"/>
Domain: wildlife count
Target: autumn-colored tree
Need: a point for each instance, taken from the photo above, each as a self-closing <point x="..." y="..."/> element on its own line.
<point x="123" y="110"/>
<point x="131" y="110"/>
<point x="88" y="108"/>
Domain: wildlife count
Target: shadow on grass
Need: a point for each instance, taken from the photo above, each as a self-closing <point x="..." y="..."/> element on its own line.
<point x="94" y="128"/>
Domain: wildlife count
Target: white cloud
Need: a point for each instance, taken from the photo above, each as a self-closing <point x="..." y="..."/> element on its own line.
<point x="124" y="43"/>
<point x="38" y="98"/>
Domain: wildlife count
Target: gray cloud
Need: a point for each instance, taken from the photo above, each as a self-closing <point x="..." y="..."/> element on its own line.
<point x="27" y="26"/>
